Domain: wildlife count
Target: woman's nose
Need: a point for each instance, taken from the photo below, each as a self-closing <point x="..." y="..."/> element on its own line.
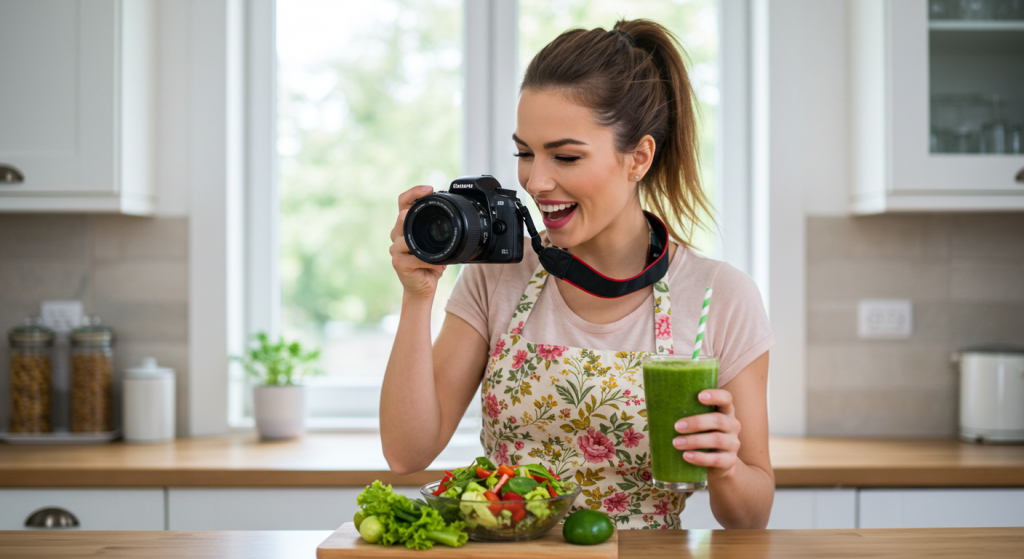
<point x="539" y="181"/>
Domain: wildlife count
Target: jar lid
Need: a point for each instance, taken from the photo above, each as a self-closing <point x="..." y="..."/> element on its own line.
<point x="993" y="349"/>
<point x="148" y="370"/>
<point x="92" y="335"/>
<point x="31" y="335"/>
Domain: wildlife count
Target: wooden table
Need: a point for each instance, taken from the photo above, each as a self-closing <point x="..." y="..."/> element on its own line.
<point x="645" y="544"/>
<point x="355" y="460"/>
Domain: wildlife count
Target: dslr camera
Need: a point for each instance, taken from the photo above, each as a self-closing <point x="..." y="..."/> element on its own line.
<point x="475" y="221"/>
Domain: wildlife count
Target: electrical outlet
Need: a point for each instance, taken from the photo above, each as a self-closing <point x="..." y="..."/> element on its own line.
<point x="62" y="316"/>
<point x="885" y="318"/>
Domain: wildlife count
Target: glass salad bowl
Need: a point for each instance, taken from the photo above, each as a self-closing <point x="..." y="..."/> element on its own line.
<point x="502" y="521"/>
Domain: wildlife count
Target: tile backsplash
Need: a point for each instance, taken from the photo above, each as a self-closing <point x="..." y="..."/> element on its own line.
<point x="132" y="272"/>
<point x="964" y="274"/>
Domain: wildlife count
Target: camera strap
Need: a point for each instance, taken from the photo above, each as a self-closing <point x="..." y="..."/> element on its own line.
<point x="565" y="266"/>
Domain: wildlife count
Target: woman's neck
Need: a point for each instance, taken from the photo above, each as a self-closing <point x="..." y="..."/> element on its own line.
<point x="620" y="250"/>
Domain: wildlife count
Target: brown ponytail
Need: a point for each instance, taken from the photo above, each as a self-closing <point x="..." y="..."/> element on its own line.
<point x="635" y="81"/>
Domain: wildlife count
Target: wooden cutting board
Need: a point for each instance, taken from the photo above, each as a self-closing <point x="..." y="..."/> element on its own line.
<point x="345" y="543"/>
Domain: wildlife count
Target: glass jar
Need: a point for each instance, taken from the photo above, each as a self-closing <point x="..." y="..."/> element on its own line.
<point x="31" y="372"/>
<point x="92" y="367"/>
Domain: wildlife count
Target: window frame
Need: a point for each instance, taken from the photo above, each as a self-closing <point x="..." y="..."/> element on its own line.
<point x="490" y="96"/>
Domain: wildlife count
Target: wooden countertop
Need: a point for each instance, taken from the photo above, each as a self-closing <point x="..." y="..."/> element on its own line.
<point x="357" y="460"/>
<point x="646" y="544"/>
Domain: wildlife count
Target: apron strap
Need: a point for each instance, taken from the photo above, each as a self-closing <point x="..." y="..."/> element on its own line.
<point x="528" y="299"/>
<point x="663" y="319"/>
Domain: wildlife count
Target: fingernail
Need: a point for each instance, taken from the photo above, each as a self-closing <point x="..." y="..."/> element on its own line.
<point x="679" y="442"/>
<point x="424" y="189"/>
<point x="705" y="396"/>
<point x="687" y="455"/>
<point x="680" y="426"/>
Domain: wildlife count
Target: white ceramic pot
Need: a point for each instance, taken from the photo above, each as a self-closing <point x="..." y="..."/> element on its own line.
<point x="280" y="411"/>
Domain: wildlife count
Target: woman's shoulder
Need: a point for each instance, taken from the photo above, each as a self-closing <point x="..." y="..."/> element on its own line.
<point x="693" y="271"/>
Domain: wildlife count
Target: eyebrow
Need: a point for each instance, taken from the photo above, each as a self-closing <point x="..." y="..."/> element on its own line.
<point x="552" y="145"/>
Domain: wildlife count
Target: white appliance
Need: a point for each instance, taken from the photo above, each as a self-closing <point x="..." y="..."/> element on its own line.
<point x="992" y="395"/>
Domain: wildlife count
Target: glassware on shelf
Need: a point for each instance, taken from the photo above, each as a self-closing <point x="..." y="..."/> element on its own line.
<point x="943" y="9"/>
<point x="977" y="9"/>
<point x="1008" y="10"/>
<point x="975" y="124"/>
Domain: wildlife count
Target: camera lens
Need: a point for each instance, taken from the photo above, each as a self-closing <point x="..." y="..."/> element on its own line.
<point x="445" y="229"/>
<point x="440" y="229"/>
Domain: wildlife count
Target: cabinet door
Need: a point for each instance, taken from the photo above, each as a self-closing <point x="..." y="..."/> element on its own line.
<point x="976" y="58"/>
<point x="941" y="508"/>
<point x="57" y="120"/>
<point x="95" y="509"/>
<point x="793" y="509"/>
<point x="246" y="508"/>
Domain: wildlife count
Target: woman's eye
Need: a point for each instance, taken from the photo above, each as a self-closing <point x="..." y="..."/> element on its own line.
<point x="522" y="154"/>
<point x="566" y="158"/>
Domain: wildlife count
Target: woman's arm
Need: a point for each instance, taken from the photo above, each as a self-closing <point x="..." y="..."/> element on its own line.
<point x="426" y="389"/>
<point x="740" y="476"/>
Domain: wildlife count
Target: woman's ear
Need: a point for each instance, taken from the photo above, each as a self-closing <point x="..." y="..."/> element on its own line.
<point x="641" y="158"/>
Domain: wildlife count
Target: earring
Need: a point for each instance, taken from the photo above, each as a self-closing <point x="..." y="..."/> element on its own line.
<point x="636" y="177"/>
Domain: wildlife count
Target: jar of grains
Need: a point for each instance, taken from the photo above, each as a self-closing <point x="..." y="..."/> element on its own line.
<point x="92" y="366"/>
<point x="31" y="371"/>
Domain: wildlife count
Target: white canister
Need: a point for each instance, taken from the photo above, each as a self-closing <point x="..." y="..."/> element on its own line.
<point x="148" y="403"/>
<point x="992" y="395"/>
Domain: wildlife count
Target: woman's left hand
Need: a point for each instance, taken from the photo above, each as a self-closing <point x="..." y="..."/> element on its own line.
<point x="717" y="431"/>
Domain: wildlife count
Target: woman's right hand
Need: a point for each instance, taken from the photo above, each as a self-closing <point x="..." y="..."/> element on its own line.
<point x="418" y="278"/>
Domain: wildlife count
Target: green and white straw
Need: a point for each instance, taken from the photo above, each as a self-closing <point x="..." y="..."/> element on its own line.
<point x="703" y="322"/>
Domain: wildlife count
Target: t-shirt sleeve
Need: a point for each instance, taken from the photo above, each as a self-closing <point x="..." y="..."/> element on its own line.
<point x="470" y="298"/>
<point x="738" y="328"/>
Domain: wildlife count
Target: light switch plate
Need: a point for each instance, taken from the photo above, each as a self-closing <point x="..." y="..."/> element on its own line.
<point x="885" y="318"/>
<point x="62" y="316"/>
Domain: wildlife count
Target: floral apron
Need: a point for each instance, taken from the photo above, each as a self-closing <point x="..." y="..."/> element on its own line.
<point x="581" y="413"/>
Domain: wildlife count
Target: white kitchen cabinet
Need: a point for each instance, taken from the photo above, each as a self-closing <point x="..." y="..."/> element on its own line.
<point x="941" y="508"/>
<point x="793" y="509"/>
<point x="256" y="508"/>
<point x="922" y="91"/>
<point x="95" y="509"/>
<point x="76" y="110"/>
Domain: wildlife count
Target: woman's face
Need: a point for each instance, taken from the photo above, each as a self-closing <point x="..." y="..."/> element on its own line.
<point x="569" y="165"/>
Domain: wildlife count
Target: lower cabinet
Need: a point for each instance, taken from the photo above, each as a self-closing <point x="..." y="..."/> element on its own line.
<point x="315" y="508"/>
<point x="95" y="509"/>
<point x="792" y="509"/>
<point x="941" y="508"/>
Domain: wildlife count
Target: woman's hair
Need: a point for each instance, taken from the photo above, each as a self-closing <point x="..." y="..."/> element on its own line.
<point x="634" y="79"/>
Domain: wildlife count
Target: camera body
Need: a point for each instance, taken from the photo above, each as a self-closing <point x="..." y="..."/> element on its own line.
<point x="474" y="221"/>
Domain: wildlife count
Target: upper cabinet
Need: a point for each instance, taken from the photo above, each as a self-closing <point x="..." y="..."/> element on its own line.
<point x="76" y="106"/>
<point x="937" y="105"/>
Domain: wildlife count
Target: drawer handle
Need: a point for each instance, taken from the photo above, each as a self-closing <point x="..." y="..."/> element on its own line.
<point x="51" y="518"/>
<point x="1020" y="175"/>
<point x="9" y="174"/>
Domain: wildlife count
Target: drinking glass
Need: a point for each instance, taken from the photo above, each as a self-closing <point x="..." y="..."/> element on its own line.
<point x="671" y="386"/>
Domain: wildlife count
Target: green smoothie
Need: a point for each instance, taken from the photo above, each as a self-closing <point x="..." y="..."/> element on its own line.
<point x="671" y="386"/>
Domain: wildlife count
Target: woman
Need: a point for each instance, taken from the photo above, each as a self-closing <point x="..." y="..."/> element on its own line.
<point x="605" y="125"/>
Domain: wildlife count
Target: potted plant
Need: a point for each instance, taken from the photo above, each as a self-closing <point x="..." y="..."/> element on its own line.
<point x="279" y="399"/>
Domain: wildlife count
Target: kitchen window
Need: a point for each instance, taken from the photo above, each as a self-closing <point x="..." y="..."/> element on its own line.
<point x="373" y="98"/>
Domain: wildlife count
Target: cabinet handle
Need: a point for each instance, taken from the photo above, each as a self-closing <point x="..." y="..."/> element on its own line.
<point x="50" y="518"/>
<point x="9" y="174"/>
<point x="1020" y="175"/>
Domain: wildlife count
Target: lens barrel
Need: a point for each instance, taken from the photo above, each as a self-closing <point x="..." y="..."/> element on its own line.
<point x="445" y="229"/>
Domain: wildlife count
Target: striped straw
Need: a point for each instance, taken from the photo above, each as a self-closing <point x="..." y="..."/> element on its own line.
<point x="703" y="321"/>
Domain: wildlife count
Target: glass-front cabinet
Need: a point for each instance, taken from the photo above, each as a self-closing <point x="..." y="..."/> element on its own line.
<point x="937" y="105"/>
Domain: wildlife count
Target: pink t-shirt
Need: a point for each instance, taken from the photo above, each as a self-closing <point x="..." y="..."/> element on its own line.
<point x="737" y="329"/>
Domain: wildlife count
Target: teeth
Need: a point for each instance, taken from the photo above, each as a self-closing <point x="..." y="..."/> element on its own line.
<point x="555" y="207"/>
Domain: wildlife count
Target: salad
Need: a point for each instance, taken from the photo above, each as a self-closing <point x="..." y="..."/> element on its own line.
<point x="519" y="498"/>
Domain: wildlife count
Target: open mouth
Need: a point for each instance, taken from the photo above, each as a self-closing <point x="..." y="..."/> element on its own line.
<point x="557" y="215"/>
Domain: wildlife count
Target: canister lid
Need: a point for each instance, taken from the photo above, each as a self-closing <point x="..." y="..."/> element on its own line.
<point x="30" y="334"/>
<point x="148" y="369"/>
<point x="93" y="334"/>
<point x="993" y="349"/>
